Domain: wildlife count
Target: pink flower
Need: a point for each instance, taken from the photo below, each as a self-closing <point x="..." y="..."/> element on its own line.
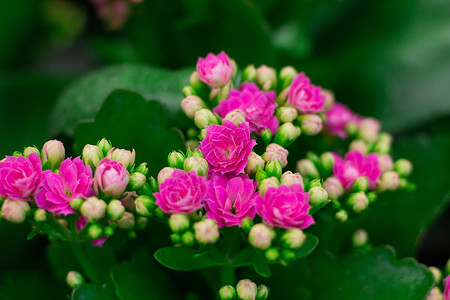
<point x="80" y="223"/>
<point x="227" y="147"/>
<point x="355" y="165"/>
<point x="447" y="288"/>
<point x="230" y="199"/>
<point x="337" y="117"/>
<point x="20" y="177"/>
<point x="285" y="206"/>
<point x="215" y="71"/>
<point x="304" y="96"/>
<point x="258" y="106"/>
<point x="182" y="192"/>
<point x="111" y="178"/>
<point x="74" y="180"/>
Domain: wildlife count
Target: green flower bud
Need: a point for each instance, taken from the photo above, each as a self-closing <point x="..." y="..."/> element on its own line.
<point x="28" y="150"/>
<point x="74" y="279"/>
<point x="188" y="91"/>
<point x="389" y="181"/>
<point x="125" y="157"/>
<point x="288" y="178"/>
<point x="292" y="238"/>
<point x="307" y="169"/>
<point x="351" y="128"/>
<point x="137" y="181"/>
<point x="204" y="117"/>
<point x="93" y="209"/>
<point x="314" y="183"/>
<point x="359" y="145"/>
<point x="358" y="201"/>
<point x="92" y="155"/>
<point x="53" y="154"/>
<point x="227" y="292"/>
<point x="329" y="99"/>
<point x="254" y="161"/>
<point x="188" y="238"/>
<point x="108" y="230"/>
<point x="236" y="116"/>
<point x="342" y="215"/>
<point x="15" y="211"/>
<point x="145" y="205"/>
<point x="104" y="145"/>
<point x="198" y="164"/>
<point x="95" y="231"/>
<point x="263" y="292"/>
<point x="179" y="223"/>
<point x="260" y="175"/>
<point x="287" y="74"/>
<point x="142" y="168"/>
<point x="195" y="81"/>
<point x="272" y="254"/>
<point x="261" y="236"/>
<point x="164" y="174"/>
<point x="247" y="224"/>
<point x="40" y="215"/>
<point x="115" y="210"/>
<point x="437" y="274"/>
<point x="249" y="74"/>
<point x="385" y="137"/>
<point x="266" y="183"/>
<point x="286" y="114"/>
<point x="334" y="188"/>
<point x="317" y="196"/>
<point x="274" y="169"/>
<point x="175" y="238"/>
<point x="403" y="167"/>
<point x="311" y="124"/>
<point x="246" y="289"/>
<point x="194" y="153"/>
<point x="206" y="231"/>
<point x="360" y="238"/>
<point x="266" y="135"/>
<point x="176" y="159"/>
<point x="287" y="134"/>
<point x="127" y="221"/>
<point x="382" y="147"/>
<point x="287" y="255"/>
<point x="361" y="184"/>
<point x="283" y="96"/>
<point x="327" y="162"/>
<point x="223" y="92"/>
<point x="76" y="203"/>
<point x="266" y="78"/>
<point x="192" y="104"/>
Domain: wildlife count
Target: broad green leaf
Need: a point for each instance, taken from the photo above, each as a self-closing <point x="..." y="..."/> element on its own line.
<point x="83" y="99"/>
<point x="131" y="122"/>
<point x="185" y="258"/>
<point x="94" y="292"/>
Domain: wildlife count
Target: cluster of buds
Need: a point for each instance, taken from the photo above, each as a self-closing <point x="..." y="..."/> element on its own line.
<point x="184" y="233"/>
<point x="244" y="290"/>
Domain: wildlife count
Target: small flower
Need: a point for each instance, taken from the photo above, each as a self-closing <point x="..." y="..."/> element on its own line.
<point x="215" y="70"/>
<point x="227" y="147"/>
<point x="403" y="167"/>
<point x="230" y="199"/>
<point x="73" y="181"/>
<point x="275" y="152"/>
<point x="93" y="209"/>
<point x="111" y="178"/>
<point x="206" y="231"/>
<point x="15" y="211"/>
<point x="20" y="177"/>
<point x="261" y="236"/>
<point x="304" y="96"/>
<point x="53" y="153"/>
<point x="227" y="293"/>
<point x="74" y="279"/>
<point x="285" y="206"/>
<point x="125" y="157"/>
<point x="182" y="192"/>
<point x="337" y="117"/>
<point x="179" y="223"/>
<point x="246" y="289"/>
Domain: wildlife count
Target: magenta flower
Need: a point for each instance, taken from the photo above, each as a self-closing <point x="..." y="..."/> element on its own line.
<point x="355" y="165"/>
<point x="74" y="180"/>
<point x="182" y="192"/>
<point x="227" y="147"/>
<point x="215" y="71"/>
<point x="258" y="106"/>
<point x="337" y="118"/>
<point x="304" y="96"/>
<point x="111" y="178"/>
<point x="80" y="223"/>
<point x="447" y="288"/>
<point x="20" y="177"/>
<point x="230" y="199"/>
<point x="285" y="206"/>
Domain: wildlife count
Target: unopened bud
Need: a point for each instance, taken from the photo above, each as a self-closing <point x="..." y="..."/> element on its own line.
<point x="360" y="184"/>
<point x="360" y="238"/>
<point x="227" y="293"/>
<point x="93" y="209"/>
<point x="164" y="174"/>
<point x="288" y="178"/>
<point x="437" y="274"/>
<point x="389" y="181"/>
<point x="223" y="92"/>
<point x="137" y="181"/>
<point x="266" y="136"/>
<point x="263" y="292"/>
<point x="40" y="215"/>
<point x="272" y="254"/>
<point x="206" y="231"/>
<point x="236" y="116"/>
<point x="403" y="167"/>
<point x="249" y="74"/>
<point x="292" y="238"/>
<point x="283" y="96"/>
<point x="176" y="159"/>
<point x="369" y="129"/>
<point x="435" y="294"/>
<point x="382" y="148"/>
<point x="188" y="91"/>
<point x="359" y="145"/>
<point x="195" y="81"/>
<point x="246" y="289"/>
<point x="204" y="117"/>
<point x="274" y="169"/>
<point x="329" y="99"/>
<point x="28" y="150"/>
<point x="260" y="175"/>
<point x="275" y="152"/>
<point x="145" y="205"/>
<point x="287" y="255"/>
<point x="261" y="236"/>
<point x="385" y="162"/>
<point x="267" y="183"/>
<point x="198" y="164"/>
<point x="53" y="154"/>
<point x="92" y="155"/>
<point x="115" y="210"/>
<point x="287" y="134"/>
<point x="341" y="215"/>
<point x="104" y="145"/>
<point x="254" y="161"/>
<point x="15" y="211"/>
<point x="334" y="188"/>
<point x="287" y="74"/>
<point x="179" y="223"/>
<point x="327" y="162"/>
<point x="74" y="279"/>
<point x="125" y="157"/>
<point x="188" y="238"/>
<point x="311" y="124"/>
<point x="247" y="224"/>
<point x="191" y="104"/>
<point x="385" y="137"/>
<point x="358" y="201"/>
<point x="286" y="114"/>
<point x="95" y="231"/>
<point x="317" y="196"/>
<point x="75" y="203"/>
<point x="127" y="221"/>
<point x="266" y="78"/>
<point x="307" y="169"/>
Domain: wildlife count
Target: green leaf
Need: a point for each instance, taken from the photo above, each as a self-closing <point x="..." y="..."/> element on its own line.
<point x="83" y="99"/>
<point x="35" y="231"/>
<point x="184" y="258"/>
<point x="94" y="292"/>
<point x="131" y="122"/>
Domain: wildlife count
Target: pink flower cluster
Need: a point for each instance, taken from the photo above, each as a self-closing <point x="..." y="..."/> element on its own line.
<point x="337" y="117"/>
<point x="304" y="96"/>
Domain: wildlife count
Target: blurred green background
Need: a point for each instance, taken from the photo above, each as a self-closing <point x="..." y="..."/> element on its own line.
<point x="387" y="59"/>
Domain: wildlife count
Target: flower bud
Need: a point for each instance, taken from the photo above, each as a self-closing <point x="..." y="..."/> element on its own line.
<point x="435" y="294"/>
<point x="93" y="209"/>
<point x="28" y="150"/>
<point x="15" y="211"/>
<point x="267" y="183"/>
<point x="292" y="238"/>
<point x="40" y="215"/>
<point x="334" y="188"/>
<point x="360" y="238"/>
<point x="382" y="148"/>
<point x="198" y="164"/>
<point x="261" y="236"/>
<point x="361" y="184"/>
<point x="223" y="92"/>
<point x="127" y="221"/>
<point x="188" y="91"/>
<point x="206" y="231"/>
<point x="274" y="169"/>
<point x="179" y="223"/>
<point x="227" y="292"/>
<point x="385" y="137"/>
<point x="359" y="145"/>
<point x="283" y="96"/>
<point x="266" y="78"/>
<point x="287" y="74"/>
<point x="195" y="81"/>
<point x="403" y="167"/>
<point x="287" y="134"/>
<point x="275" y="152"/>
<point x="389" y="181"/>
<point x="437" y="274"/>
<point x="260" y="175"/>
<point x="137" y="181"/>
<point x="307" y="169"/>
<point x="385" y="162"/>
<point x="358" y="201"/>
<point x="341" y="215"/>
<point x="246" y="289"/>
<point x="266" y="135"/>
<point x="176" y="159"/>
<point x="254" y="161"/>
<point x="92" y="155"/>
<point x="351" y="128"/>
<point x="327" y="162"/>
<point x="192" y="104"/>
<point x="125" y="157"/>
<point x="236" y="116"/>
<point x="311" y="124"/>
<point x="329" y="99"/>
<point x="369" y="129"/>
<point x="53" y="154"/>
<point x="74" y="279"/>
<point x="249" y="74"/>
<point x="272" y="254"/>
<point x="188" y="239"/>
<point x="317" y="196"/>
<point x="115" y="210"/>
<point x="164" y="174"/>
<point x="204" y="117"/>
<point x="95" y="231"/>
<point x="263" y="292"/>
<point x="247" y="224"/>
<point x="286" y="114"/>
<point x="75" y="203"/>
<point x="289" y="178"/>
<point x="145" y="205"/>
<point x="104" y="145"/>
